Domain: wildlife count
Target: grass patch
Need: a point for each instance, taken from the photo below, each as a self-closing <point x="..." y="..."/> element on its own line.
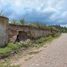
<point x="8" y="65"/>
<point x="41" y="41"/>
<point x="4" y="52"/>
<point x="12" y="48"/>
<point x="9" y="49"/>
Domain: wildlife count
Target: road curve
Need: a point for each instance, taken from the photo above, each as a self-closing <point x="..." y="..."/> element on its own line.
<point x="55" y="55"/>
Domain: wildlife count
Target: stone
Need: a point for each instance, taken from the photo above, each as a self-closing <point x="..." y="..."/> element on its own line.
<point x="3" y="31"/>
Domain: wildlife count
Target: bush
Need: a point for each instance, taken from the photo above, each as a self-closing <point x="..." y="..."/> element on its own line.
<point x="26" y="44"/>
<point x="43" y="39"/>
<point x="12" y="46"/>
<point x="5" y="52"/>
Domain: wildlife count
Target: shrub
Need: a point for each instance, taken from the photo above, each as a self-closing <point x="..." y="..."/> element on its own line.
<point x="27" y="43"/>
<point x="12" y="46"/>
<point x="42" y="39"/>
<point x="5" y="51"/>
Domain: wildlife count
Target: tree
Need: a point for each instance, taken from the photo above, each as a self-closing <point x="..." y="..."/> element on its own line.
<point x="22" y="21"/>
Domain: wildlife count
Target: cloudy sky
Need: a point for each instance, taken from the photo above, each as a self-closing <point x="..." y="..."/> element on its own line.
<point x="46" y="11"/>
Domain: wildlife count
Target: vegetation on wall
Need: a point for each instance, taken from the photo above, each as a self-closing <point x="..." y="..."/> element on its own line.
<point x="41" y="25"/>
<point x="61" y="29"/>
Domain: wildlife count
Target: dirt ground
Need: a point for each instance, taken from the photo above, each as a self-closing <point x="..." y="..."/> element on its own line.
<point x="52" y="55"/>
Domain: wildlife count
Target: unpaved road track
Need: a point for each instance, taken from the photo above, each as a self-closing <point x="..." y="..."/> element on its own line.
<point x="55" y="55"/>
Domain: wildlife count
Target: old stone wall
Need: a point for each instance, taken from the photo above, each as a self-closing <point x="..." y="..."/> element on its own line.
<point x="14" y="32"/>
<point x="32" y="32"/>
<point x="3" y="31"/>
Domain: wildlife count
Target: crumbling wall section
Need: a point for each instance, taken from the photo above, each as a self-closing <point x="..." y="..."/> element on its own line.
<point x="32" y="32"/>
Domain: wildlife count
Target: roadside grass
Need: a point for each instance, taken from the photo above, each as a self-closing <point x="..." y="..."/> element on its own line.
<point x="43" y="40"/>
<point x="12" y="48"/>
<point x="9" y="49"/>
<point x="8" y="65"/>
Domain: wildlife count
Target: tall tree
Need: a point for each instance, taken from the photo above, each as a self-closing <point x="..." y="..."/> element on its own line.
<point x="22" y="21"/>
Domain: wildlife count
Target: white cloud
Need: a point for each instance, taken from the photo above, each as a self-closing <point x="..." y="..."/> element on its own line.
<point x="20" y="7"/>
<point x="64" y="14"/>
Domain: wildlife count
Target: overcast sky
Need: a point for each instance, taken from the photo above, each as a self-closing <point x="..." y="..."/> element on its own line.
<point x="46" y="11"/>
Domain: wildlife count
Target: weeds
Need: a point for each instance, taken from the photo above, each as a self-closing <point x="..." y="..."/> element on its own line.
<point x="12" y="48"/>
<point x="8" y="65"/>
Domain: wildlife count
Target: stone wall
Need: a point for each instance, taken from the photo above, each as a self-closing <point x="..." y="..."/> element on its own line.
<point x="3" y="31"/>
<point x="32" y="32"/>
<point x="12" y="31"/>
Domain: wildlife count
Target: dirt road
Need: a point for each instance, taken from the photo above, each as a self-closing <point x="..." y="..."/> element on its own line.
<point x="55" y="55"/>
